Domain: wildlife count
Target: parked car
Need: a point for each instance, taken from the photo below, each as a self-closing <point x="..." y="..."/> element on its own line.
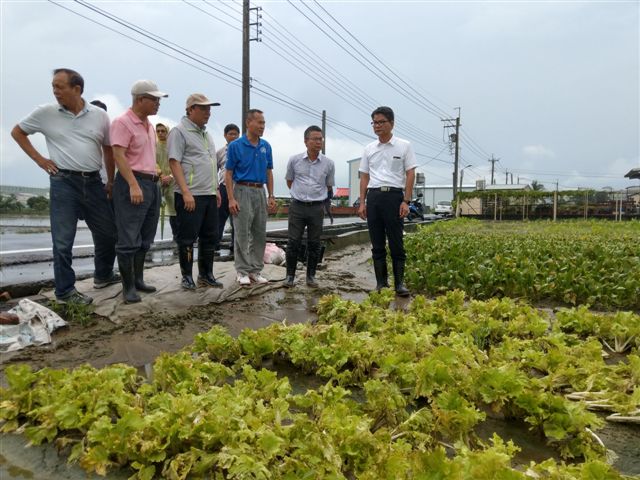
<point x="443" y="208"/>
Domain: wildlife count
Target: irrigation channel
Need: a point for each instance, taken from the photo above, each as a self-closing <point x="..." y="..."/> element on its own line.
<point x="345" y="270"/>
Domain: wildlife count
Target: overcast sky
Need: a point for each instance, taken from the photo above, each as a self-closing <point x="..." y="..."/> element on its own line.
<point x="550" y="88"/>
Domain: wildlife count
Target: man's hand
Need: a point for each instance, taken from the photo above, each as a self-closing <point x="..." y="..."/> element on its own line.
<point x="218" y="198"/>
<point x="108" y="188"/>
<point x="47" y="165"/>
<point x="362" y="211"/>
<point x="165" y="180"/>
<point x="404" y="209"/>
<point x="234" y="208"/>
<point x="189" y="202"/>
<point x="271" y="205"/>
<point x="135" y="193"/>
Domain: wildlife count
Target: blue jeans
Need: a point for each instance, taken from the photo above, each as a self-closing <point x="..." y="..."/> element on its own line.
<point x="75" y="197"/>
<point x="137" y="224"/>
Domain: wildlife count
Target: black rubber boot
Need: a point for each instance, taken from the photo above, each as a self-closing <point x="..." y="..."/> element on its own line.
<point x="380" y="268"/>
<point x="125" y="265"/>
<point x="292" y="261"/>
<point x="313" y="254"/>
<point x="186" y="267"/>
<point x="398" y="278"/>
<point x="205" y="268"/>
<point x="138" y="270"/>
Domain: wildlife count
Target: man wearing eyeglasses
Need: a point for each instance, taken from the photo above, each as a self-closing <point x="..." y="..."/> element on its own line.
<point x="192" y="157"/>
<point x="136" y="193"/>
<point x="387" y="174"/>
<point x="310" y="176"/>
<point x="77" y="135"/>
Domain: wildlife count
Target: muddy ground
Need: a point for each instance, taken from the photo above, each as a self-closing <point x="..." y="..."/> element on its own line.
<point x="138" y="340"/>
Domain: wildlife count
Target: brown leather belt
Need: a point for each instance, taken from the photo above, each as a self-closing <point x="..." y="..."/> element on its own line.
<point x="251" y="184"/>
<point x="146" y="176"/>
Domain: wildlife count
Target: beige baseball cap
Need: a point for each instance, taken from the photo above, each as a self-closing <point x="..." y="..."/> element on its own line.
<point x="147" y="87"/>
<point x="200" y="99"/>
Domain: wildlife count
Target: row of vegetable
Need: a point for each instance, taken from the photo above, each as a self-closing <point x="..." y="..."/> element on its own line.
<point x="403" y="395"/>
<point x="573" y="262"/>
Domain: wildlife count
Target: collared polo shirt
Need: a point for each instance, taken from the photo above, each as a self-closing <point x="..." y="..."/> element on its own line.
<point x="249" y="162"/>
<point x="74" y="142"/>
<point x="221" y="156"/>
<point x="139" y="140"/>
<point x="193" y="147"/>
<point x="310" y="177"/>
<point x="388" y="163"/>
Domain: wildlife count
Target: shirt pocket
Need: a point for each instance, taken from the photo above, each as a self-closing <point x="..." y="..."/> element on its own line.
<point x="397" y="164"/>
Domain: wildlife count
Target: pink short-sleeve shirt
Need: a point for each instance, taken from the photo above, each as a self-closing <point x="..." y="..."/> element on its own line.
<point x="139" y="139"/>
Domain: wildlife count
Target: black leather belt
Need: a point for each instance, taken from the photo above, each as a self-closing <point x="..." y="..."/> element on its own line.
<point x="251" y="184"/>
<point x="386" y="189"/>
<point x="146" y="176"/>
<point x="80" y="174"/>
<point x="301" y="202"/>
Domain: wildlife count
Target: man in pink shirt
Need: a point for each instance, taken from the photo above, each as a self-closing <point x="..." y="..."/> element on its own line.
<point x="136" y="193"/>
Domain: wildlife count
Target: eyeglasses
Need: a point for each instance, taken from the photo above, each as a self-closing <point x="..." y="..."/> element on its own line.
<point x="315" y="139"/>
<point x="205" y="108"/>
<point x="379" y="122"/>
<point x="152" y="98"/>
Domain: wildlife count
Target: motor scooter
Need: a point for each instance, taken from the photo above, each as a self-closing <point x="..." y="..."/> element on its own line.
<point x="416" y="209"/>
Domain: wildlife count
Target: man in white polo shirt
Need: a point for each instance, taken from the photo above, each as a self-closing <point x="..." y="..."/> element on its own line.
<point x="77" y="135"/>
<point x="387" y="174"/>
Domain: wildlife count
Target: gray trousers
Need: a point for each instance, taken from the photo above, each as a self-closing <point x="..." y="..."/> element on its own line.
<point x="250" y="229"/>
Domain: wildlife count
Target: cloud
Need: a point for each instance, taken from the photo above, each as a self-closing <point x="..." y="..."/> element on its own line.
<point x="538" y="151"/>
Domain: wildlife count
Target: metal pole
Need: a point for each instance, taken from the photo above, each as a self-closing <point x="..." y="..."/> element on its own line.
<point x="245" y="64"/>
<point x="455" y="167"/>
<point x="324" y="131"/>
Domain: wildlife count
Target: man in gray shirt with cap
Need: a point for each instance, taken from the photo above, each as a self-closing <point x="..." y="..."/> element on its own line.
<point x="192" y="157"/>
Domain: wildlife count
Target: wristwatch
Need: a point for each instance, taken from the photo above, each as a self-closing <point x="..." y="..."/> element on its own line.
<point x="406" y="201"/>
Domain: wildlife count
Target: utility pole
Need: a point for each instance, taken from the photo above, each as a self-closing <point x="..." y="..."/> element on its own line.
<point x="455" y="137"/>
<point x="246" y="38"/>
<point x="493" y="165"/>
<point x="506" y="177"/>
<point x="324" y="131"/>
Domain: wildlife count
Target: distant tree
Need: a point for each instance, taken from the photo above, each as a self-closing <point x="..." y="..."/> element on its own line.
<point x="38" y="204"/>
<point x="10" y="204"/>
<point x="536" y="186"/>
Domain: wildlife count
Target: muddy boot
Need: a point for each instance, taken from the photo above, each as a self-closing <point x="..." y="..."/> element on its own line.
<point x="380" y="268"/>
<point x="138" y="270"/>
<point x="186" y="267"/>
<point x="398" y="278"/>
<point x="205" y="268"/>
<point x="125" y="265"/>
<point x="313" y="254"/>
<point x="292" y="261"/>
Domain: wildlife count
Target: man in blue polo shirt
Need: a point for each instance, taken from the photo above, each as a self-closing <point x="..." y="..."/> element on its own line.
<point x="249" y="167"/>
<point x="77" y="135"/>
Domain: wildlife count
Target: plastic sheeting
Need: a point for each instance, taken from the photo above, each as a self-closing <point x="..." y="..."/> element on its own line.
<point x="170" y="297"/>
<point x="35" y="327"/>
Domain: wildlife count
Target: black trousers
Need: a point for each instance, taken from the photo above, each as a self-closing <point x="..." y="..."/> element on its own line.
<point x="200" y="224"/>
<point x="383" y="219"/>
<point x="136" y="224"/>
<point x="223" y="215"/>
<point x="309" y="216"/>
